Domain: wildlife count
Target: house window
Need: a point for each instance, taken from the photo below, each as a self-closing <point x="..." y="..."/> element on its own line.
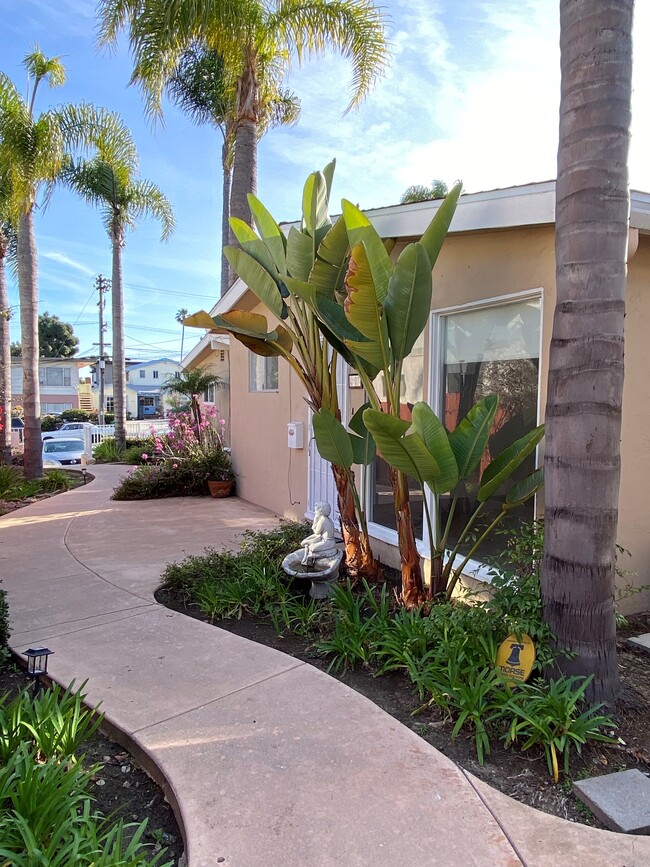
<point x="490" y="350"/>
<point x="110" y="404"/>
<point x="54" y="408"/>
<point x="54" y="376"/>
<point x="143" y="373"/>
<point x="263" y="373"/>
<point x="209" y="393"/>
<point x="155" y="374"/>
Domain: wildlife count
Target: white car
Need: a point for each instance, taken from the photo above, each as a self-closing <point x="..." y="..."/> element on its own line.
<point x="65" y="453"/>
<point x="76" y="430"/>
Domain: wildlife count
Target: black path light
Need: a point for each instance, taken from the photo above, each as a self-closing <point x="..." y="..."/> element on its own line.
<point x="37" y="664"/>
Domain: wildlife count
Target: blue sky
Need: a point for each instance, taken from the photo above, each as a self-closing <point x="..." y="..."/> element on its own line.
<point x="472" y="92"/>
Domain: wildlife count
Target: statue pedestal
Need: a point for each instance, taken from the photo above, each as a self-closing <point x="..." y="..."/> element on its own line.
<point x="323" y="572"/>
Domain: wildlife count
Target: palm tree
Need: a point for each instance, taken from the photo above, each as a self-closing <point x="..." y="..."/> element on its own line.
<point x="7" y="246"/>
<point x="585" y="385"/>
<point x="180" y="315"/>
<point x="252" y="37"/>
<point x="108" y="181"/>
<point x="192" y="384"/>
<point x="200" y="88"/>
<point x="32" y="153"/>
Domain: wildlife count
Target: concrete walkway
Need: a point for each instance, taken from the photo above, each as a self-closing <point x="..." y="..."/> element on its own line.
<point x="267" y="761"/>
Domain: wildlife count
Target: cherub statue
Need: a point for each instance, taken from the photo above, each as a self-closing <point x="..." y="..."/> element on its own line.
<point x="321" y="542"/>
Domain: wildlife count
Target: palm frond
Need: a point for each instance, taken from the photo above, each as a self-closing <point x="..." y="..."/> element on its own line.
<point x="147" y="200"/>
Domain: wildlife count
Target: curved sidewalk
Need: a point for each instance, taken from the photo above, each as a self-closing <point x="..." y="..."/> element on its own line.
<point x="267" y="761"/>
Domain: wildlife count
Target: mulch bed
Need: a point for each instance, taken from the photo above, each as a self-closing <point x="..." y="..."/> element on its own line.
<point x="121" y="789"/>
<point x="524" y="777"/>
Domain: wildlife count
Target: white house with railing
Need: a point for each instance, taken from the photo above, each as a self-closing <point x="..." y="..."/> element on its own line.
<point x="144" y="380"/>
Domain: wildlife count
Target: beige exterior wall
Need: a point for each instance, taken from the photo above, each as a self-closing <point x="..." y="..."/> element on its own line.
<point x="268" y="472"/>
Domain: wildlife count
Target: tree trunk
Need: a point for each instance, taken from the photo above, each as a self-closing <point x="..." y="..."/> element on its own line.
<point x="359" y="559"/>
<point x="119" y="362"/>
<point x="28" y="291"/>
<point x="585" y="386"/>
<point x="412" y="585"/>
<point x="244" y="172"/>
<point x="5" y="361"/>
<point x="227" y="276"/>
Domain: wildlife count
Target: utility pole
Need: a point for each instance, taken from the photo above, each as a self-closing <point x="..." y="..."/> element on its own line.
<point x="102" y="287"/>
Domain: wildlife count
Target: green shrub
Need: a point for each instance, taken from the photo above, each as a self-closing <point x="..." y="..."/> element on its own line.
<point x="10" y="479"/>
<point x="75" y="415"/>
<point x="107" y="451"/>
<point x="183" y="577"/>
<point x="50" y="422"/>
<point x="56" y="480"/>
<point x="183" y="479"/>
<point x="274" y="545"/>
<point x="135" y="448"/>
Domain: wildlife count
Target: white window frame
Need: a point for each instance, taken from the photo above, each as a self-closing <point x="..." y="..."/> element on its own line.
<point x="143" y="374"/>
<point x="252" y="385"/>
<point x="433" y="358"/>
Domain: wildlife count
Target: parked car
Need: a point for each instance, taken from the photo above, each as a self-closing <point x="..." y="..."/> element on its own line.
<point x="65" y="453"/>
<point x="75" y="429"/>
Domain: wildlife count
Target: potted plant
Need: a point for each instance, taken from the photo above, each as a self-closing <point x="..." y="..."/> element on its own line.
<point x="221" y="478"/>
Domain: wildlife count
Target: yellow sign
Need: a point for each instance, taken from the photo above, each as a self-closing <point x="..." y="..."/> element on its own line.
<point x="516" y="658"/>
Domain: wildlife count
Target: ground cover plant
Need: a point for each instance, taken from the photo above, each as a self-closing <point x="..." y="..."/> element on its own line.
<point x="179" y="463"/>
<point x="432" y="667"/>
<point x="16" y="490"/>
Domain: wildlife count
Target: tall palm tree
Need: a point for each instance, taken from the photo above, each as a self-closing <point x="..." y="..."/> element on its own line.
<point x="585" y="385"/>
<point x="201" y="89"/>
<point x="32" y="152"/>
<point x="108" y="180"/>
<point x="180" y="315"/>
<point x="252" y="37"/>
<point x="7" y="245"/>
<point x="191" y="384"/>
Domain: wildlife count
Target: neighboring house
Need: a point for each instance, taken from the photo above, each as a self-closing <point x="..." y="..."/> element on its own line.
<point x="144" y="379"/>
<point x="212" y="353"/>
<point x="489" y="331"/>
<point x="58" y="381"/>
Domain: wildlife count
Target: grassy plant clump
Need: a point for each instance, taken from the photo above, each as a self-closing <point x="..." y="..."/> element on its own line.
<point x="10" y="479"/>
<point x="107" y="451"/>
<point x="274" y="545"/>
<point x="46" y="813"/>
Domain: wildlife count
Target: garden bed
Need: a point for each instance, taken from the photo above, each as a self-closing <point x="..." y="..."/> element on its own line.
<point x="15" y="501"/>
<point x="522" y="775"/>
<point x="120" y="788"/>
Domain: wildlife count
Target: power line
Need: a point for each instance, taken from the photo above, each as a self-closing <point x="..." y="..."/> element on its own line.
<point x="83" y="308"/>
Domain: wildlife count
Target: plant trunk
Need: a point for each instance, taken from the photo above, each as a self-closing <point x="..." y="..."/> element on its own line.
<point x="227" y="275"/>
<point x="585" y="386"/>
<point x="28" y="292"/>
<point x="359" y="559"/>
<point x="5" y="360"/>
<point x="119" y="361"/>
<point x="244" y="171"/>
<point x="412" y="585"/>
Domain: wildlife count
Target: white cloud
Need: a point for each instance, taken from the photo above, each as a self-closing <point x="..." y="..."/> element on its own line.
<point x="62" y="259"/>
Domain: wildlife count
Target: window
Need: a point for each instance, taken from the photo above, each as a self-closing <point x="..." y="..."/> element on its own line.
<point x="209" y="393"/>
<point x="143" y="373"/>
<point x="490" y="350"/>
<point x="110" y="404"/>
<point x="54" y="408"/>
<point x="263" y="373"/>
<point x="54" y="376"/>
<point x="222" y="355"/>
<point x="155" y="374"/>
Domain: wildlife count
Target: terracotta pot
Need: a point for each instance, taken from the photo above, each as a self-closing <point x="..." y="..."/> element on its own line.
<point x="221" y="489"/>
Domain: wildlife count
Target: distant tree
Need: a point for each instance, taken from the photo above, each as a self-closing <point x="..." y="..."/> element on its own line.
<point x="56" y="339"/>
<point x="191" y="384"/>
<point x="420" y="193"/>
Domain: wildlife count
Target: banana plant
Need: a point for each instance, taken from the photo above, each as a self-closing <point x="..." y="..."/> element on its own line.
<point x="287" y="274"/>
<point x="446" y="462"/>
<point x="385" y="308"/>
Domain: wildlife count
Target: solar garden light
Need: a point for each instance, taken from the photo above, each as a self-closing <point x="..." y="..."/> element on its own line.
<point x="84" y="472"/>
<point x="37" y="664"/>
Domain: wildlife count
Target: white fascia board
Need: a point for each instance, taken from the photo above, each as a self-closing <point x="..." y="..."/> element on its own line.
<point x="208" y="341"/>
<point x="640" y="210"/>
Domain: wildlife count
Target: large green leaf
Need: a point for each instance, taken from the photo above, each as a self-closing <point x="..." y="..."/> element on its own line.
<point x="300" y="254"/>
<point x="332" y="439"/>
<point x="254" y="246"/>
<point x="503" y="466"/>
<point x="328" y="271"/>
<point x="361" y="231"/>
<point x="336" y="329"/>
<point x="524" y="489"/>
<point x="469" y="439"/>
<point x="434" y="436"/>
<point x="363" y="444"/>
<point x="405" y="453"/>
<point x="202" y="319"/>
<point x="270" y="232"/>
<point x="242" y="231"/>
<point x="408" y="303"/>
<point x="436" y="232"/>
<point x="368" y="350"/>
<point x="258" y="280"/>
<point x="301" y="289"/>
<point x="328" y="174"/>
<point x="361" y="307"/>
<point x="257" y="345"/>
<point x="315" y="203"/>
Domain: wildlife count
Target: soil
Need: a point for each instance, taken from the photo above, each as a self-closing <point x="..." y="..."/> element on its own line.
<point x="120" y="789"/>
<point x="524" y="777"/>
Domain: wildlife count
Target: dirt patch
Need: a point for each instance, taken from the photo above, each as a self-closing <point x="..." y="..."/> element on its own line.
<point x="524" y="777"/>
<point x="120" y="788"/>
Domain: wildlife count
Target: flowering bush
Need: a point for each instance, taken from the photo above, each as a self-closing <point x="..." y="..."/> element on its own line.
<point x="178" y="463"/>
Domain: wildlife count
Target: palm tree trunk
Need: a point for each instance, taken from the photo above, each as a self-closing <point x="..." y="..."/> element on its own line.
<point x="227" y="275"/>
<point x="359" y="559"/>
<point x="28" y="292"/>
<point x="5" y="361"/>
<point x="412" y="585"/>
<point x="119" y="362"/>
<point x="244" y="172"/>
<point x="585" y="386"/>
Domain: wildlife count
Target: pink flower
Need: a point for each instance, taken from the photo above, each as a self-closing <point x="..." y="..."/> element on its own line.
<point x="222" y="421"/>
<point x="144" y="456"/>
<point x="174" y="466"/>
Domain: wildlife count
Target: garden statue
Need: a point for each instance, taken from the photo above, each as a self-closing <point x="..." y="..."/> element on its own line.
<point x="319" y="559"/>
<point x="321" y="542"/>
